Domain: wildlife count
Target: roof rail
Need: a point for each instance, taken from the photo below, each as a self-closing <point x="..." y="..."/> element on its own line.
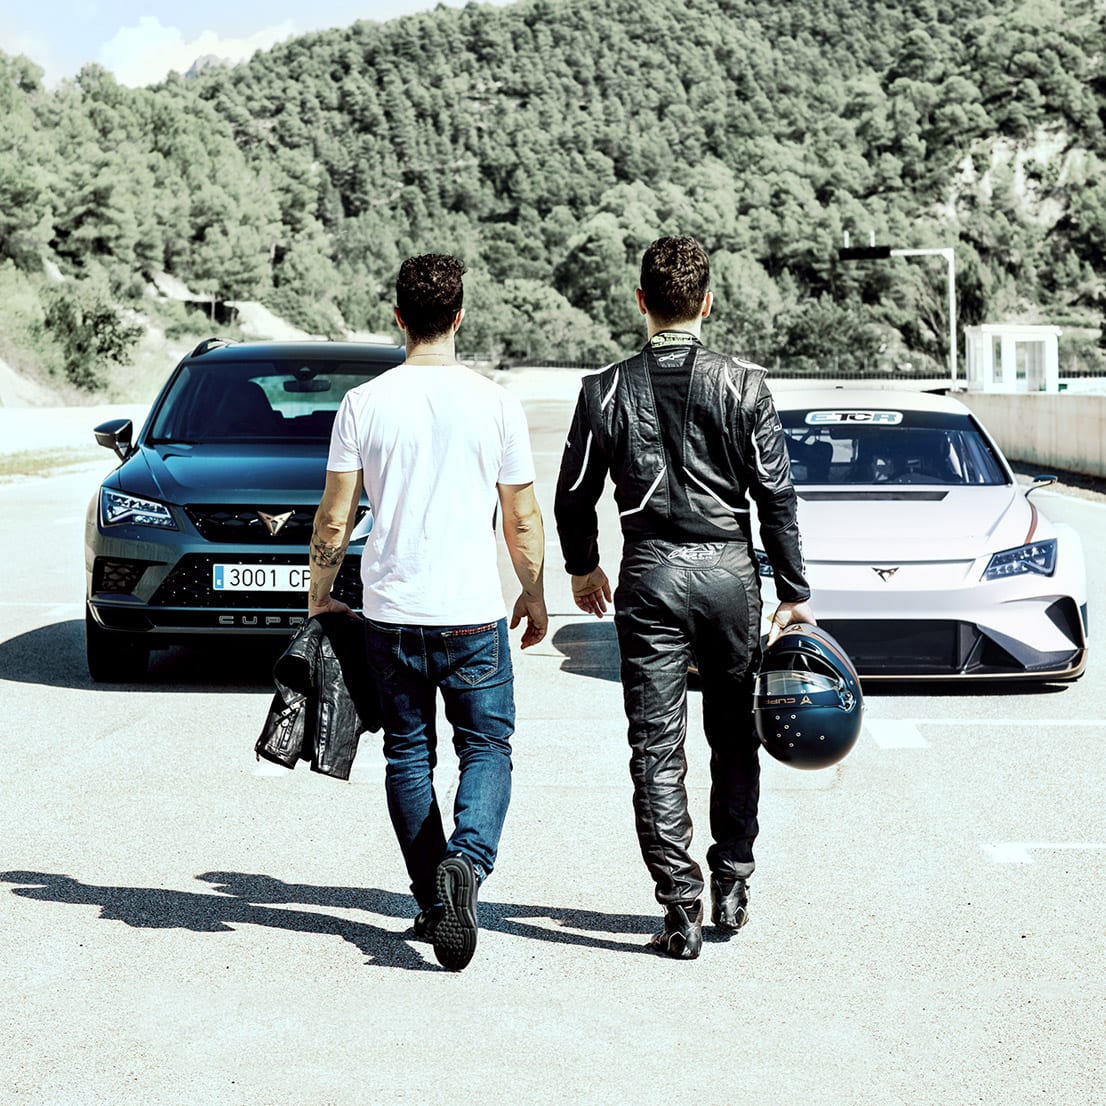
<point x="209" y="344"/>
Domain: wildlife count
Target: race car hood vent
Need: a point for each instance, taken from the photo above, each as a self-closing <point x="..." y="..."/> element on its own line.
<point x="852" y="496"/>
<point x="894" y="525"/>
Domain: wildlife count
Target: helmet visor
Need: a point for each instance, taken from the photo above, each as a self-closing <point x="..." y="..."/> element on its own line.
<point x="772" y="685"/>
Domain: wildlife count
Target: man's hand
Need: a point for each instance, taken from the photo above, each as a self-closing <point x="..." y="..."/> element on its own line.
<point x="787" y="614"/>
<point x="592" y="592"/>
<point x="524" y="533"/>
<point x="537" y="619"/>
<point x="330" y="606"/>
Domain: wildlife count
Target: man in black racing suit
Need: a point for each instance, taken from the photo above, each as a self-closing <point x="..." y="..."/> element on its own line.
<point x="687" y="436"/>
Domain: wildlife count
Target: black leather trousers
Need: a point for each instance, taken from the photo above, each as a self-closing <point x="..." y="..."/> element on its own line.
<point x="676" y="604"/>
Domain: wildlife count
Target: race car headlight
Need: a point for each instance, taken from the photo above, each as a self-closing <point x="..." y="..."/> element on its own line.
<point x="119" y="509"/>
<point x="1038" y="558"/>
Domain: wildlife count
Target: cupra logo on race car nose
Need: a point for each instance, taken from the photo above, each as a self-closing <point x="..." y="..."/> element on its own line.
<point x="884" y="574"/>
<point x="274" y="522"/>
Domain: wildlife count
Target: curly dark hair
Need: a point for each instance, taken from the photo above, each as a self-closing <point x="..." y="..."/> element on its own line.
<point x="675" y="276"/>
<point x="429" y="293"/>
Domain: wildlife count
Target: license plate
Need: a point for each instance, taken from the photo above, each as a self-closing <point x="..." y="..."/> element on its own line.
<point x="260" y="577"/>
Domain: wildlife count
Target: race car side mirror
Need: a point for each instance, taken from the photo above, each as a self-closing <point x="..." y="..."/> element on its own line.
<point x="1041" y="480"/>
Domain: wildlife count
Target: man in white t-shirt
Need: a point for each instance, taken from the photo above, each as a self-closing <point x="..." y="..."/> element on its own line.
<point x="439" y="450"/>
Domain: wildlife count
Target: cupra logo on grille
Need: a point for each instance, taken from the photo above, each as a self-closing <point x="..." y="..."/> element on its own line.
<point x="274" y="522"/>
<point x="884" y="574"/>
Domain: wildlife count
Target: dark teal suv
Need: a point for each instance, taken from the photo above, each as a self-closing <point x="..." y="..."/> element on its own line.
<point x="202" y="531"/>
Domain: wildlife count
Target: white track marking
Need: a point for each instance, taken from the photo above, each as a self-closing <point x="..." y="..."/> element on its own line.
<point x="993" y="722"/>
<point x="895" y="734"/>
<point x="54" y="607"/>
<point x="904" y="733"/>
<point x="1020" y="852"/>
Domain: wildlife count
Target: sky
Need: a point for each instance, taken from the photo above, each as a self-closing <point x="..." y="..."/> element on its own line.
<point x="140" y="42"/>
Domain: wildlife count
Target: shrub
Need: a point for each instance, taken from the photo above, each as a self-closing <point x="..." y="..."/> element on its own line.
<point x="91" y="331"/>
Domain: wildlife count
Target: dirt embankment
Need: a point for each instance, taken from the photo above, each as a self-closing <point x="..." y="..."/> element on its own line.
<point x="17" y="390"/>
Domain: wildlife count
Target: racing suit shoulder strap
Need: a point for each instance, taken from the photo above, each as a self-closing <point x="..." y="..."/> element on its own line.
<point x="602" y="388"/>
<point x="745" y="379"/>
<point x="738" y="386"/>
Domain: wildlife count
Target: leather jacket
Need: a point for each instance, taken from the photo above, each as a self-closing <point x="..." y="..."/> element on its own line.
<point x="732" y="447"/>
<point x="325" y="698"/>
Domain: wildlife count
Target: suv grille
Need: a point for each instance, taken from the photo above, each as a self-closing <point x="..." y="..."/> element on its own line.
<point x="189" y="585"/>
<point x="243" y="526"/>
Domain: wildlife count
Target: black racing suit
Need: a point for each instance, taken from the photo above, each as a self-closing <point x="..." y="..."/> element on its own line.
<point x="687" y="436"/>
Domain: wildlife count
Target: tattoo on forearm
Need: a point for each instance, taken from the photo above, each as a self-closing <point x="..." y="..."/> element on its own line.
<point x="323" y="555"/>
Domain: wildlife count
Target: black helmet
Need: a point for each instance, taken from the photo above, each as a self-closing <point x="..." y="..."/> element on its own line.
<point x="807" y="704"/>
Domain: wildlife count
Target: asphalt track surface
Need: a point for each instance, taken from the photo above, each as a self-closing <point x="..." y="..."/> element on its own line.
<point x="183" y="925"/>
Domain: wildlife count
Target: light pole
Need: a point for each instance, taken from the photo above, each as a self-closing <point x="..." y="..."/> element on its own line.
<point x="874" y="252"/>
<point x="949" y="255"/>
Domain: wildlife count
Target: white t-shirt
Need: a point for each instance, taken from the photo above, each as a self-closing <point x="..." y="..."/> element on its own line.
<point x="432" y="442"/>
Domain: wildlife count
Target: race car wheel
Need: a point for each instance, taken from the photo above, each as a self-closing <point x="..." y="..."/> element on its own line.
<point x="113" y="658"/>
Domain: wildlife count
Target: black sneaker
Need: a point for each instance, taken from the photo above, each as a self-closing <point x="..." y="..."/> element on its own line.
<point x="454" y="936"/>
<point x="682" y="936"/>
<point x="426" y="921"/>
<point x="729" y="903"/>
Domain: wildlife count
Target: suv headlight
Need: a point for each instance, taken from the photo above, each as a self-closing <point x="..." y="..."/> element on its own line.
<point x="118" y="509"/>
<point x="1038" y="557"/>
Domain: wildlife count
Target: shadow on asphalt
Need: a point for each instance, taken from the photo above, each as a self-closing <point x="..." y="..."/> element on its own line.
<point x="590" y="649"/>
<point x="239" y="898"/>
<point x="966" y="688"/>
<point x="54" y="656"/>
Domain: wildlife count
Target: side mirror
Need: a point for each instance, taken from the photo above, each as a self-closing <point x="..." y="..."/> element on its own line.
<point x="116" y="434"/>
<point x="1042" y="480"/>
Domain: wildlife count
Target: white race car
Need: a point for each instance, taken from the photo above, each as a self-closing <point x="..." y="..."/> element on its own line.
<point x="926" y="558"/>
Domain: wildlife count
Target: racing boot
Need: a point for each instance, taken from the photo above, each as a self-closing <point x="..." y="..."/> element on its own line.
<point x="426" y="921"/>
<point x="729" y="903"/>
<point x="682" y="936"/>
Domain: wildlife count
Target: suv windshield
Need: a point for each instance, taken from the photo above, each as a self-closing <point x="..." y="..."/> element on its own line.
<point x="254" y="401"/>
<point x="829" y="447"/>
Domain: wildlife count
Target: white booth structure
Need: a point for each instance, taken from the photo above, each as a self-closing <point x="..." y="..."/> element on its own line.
<point x="1012" y="357"/>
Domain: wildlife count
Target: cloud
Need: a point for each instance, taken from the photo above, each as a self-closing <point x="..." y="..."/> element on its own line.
<point x="14" y="43"/>
<point x="145" y="54"/>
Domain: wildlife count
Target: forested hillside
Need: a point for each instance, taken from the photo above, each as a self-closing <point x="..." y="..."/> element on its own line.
<point x="549" y="141"/>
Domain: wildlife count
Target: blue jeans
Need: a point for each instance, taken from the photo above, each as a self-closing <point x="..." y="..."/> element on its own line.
<point x="471" y="667"/>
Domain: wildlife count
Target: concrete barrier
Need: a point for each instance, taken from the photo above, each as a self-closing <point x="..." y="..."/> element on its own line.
<point x="1062" y="431"/>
